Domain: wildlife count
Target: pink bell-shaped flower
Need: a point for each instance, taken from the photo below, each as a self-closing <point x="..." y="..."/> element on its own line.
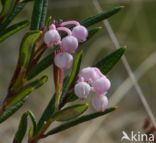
<point x="82" y="90"/>
<point x="90" y="74"/>
<point x="100" y="103"/>
<point x="63" y="60"/>
<point x="80" y="32"/>
<point x="101" y="85"/>
<point x="69" y="44"/>
<point x="52" y="37"/>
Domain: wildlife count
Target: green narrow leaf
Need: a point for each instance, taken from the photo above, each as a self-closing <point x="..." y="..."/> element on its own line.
<point x="21" y="129"/>
<point x="17" y="8"/>
<point x="23" y="126"/>
<point x="78" y="121"/>
<point x="26" y="47"/>
<point x="71" y="78"/>
<point x="70" y="112"/>
<point x="12" y="30"/>
<point x="48" y="112"/>
<point x="27" y="90"/>
<point x="37" y="14"/>
<point x="10" y="111"/>
<point x="44" y="13"/>
<point x="25" y="54"/>
<point x="101" y="16"/>
<point x="106" y="64"/>
<point x="32" y="117"/>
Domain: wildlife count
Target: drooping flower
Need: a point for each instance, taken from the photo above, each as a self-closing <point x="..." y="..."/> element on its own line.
<point x="82" y="90"/>
<point x="80" y="32"/>
<point x="63" y="60"/>
<point x="100" y="103"/>
<point x="51" y="38"/>
<point x="69" y="44"/>
<point x="90" y="74"/>
<point x="101" y="85"/>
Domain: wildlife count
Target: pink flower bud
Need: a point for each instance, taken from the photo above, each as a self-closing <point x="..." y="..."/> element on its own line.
<point x="100" y="103"/>
<point x="80" y="32"/>
<point x="90" y="74"/>
<point x="82" y="90"/>
<point x="51" y="38"/>
<point x="101" y="85"/>
<point x="69" y="44"/>
<point x="63" y="60"/>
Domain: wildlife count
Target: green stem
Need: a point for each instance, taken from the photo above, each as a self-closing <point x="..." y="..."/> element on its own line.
<point x="58" y="75"/>
<point x="57" y="87"/>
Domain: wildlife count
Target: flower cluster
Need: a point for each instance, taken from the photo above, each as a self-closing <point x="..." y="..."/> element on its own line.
<point x="67" y="44"/>
<point x="91" y="79"/>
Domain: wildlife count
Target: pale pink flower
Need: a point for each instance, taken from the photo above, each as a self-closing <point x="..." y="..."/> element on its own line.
<point x="63" y="60"/>
<point x="100" y="103"/>
<point x="51" y="38"/>
<point x="101" y="85"/>
<point x="80" y="32"/>
<point x="69" y="44"/>
<point x="82" y="90"/>
<point x="90" y="74"/>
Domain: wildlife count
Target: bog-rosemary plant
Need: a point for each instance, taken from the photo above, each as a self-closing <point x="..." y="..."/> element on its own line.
<point x="65" y="38"/>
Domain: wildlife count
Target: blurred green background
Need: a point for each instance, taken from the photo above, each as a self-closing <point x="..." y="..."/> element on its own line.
<point x="134" y="27"/>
